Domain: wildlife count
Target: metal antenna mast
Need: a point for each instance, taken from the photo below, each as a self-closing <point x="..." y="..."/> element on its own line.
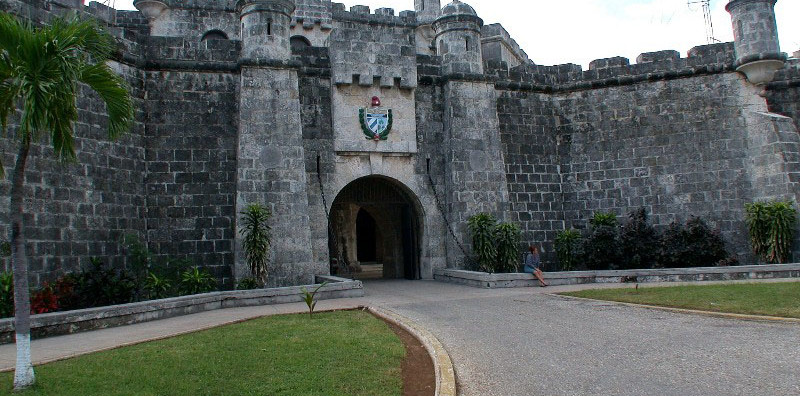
<point x="706" y="4"/>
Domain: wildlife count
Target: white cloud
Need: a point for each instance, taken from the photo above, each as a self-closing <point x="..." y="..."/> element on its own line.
<point x="579" y="31"/>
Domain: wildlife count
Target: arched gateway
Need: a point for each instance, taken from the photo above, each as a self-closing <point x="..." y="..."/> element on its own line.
<point x="376" y="226"/>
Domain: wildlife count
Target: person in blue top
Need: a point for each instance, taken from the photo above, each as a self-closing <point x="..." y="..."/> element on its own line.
<point x="532" y="264"/>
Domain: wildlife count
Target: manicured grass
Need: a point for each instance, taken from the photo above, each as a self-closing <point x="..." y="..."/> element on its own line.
<point x="337" y="353"/>
<point x="772" y="299"/>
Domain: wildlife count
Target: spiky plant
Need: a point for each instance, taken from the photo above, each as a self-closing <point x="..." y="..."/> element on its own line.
<point x="256" y="239"/>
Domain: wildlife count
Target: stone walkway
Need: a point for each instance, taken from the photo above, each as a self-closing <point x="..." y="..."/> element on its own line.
<point x="528" y="342"/>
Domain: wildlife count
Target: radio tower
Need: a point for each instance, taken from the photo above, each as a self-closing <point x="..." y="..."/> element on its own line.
<point x="706" y="5"/>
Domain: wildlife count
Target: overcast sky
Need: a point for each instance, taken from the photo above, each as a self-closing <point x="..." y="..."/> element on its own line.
<point x="579" y="31"/>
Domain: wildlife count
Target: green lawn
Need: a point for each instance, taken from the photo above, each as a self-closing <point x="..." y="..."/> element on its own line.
<point x="336" y="353"/>
<point x="773" y="299"/>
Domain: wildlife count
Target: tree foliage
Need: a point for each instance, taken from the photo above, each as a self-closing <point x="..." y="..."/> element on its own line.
<point x="40" y="73"/>
<point x="772" y="227"/>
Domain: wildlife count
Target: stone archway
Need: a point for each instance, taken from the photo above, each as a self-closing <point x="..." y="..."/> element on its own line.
<point x="376" y="226"/>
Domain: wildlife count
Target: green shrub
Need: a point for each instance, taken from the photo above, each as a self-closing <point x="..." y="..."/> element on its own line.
<point x="602" y="249"/>
<point x="482" y="228"/>
<point x="96" y="287"/>
<point x="157" y="287"/>
<point x="639" y="241"/>
<point x="256" y="233"/>
<point x="6" y="295"/>
<point x="248" y="284"/>
<point x="196" y="281"/>
<point x="771" y="226"/>
<point x="568" y="246"/>
<point x="507" y="237"/>
<point x="604" y="219"/>
<point x="692" y="244"/>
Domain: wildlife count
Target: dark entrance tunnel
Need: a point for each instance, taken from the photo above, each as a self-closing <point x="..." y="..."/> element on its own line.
<point x="375" y="231"/>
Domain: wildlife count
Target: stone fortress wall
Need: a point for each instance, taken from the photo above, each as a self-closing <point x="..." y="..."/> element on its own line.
<point x="543" y="146"/>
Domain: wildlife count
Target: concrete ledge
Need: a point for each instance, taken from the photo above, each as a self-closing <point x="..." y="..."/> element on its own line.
<point x="442" y="364"/>
<point x="496" y="281"/>
<point x="59" y="323"/>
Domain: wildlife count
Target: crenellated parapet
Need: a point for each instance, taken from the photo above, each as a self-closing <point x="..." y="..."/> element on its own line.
<point x="362" y="54"/>
<point x="615" y="71"/>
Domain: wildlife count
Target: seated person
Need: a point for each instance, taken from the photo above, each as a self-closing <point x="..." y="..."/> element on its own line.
<point x="532" y="264"/>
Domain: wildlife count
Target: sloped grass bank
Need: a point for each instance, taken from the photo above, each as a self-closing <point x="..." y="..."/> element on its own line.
<point x="771" y="299"/>
<point x="335" y="353"/>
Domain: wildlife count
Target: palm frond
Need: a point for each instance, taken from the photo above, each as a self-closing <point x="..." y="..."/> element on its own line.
<point x="40" y="70"/>
<point x="114" y="92"/>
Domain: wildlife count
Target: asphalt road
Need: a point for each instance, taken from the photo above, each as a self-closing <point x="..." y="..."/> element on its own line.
<point x="525" y="342"/>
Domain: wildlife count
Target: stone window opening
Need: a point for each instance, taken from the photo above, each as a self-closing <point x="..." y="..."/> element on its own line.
<point x="466" y="40"/>
<point x="214" y="34"/>
<point x="269" y="28"/>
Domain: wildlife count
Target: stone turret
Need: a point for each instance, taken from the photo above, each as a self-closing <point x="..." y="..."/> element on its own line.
<point x="265" y="29"/>
<point x="755" y="32"/>
<point x="458" y="39"/>
<point x="427" y="10"/>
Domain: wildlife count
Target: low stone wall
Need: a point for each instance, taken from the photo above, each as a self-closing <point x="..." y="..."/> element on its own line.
<point x="495" y="281"/>
<point x="59" y="323"/>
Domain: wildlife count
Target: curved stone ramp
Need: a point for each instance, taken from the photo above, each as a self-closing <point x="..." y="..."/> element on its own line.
<point x="442" y="364"/>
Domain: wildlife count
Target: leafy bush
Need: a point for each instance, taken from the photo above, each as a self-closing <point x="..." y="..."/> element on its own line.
<point x="604" y="219"/>
<point x="99" y="286"/>
<point x="248" y="284"/>
<point x="256" y="233"/>
<point x="139" y="258"/>
<point x="157" y="287"/>
<point x="692" y="244"/>
<point x="507" y="237"/>
<point x="482" y="228"/>
<point x="196" y="281"/>
<point x="568" y="249"/>
<point x="771" y="226"/>
<point x="6" y="294"/>
<point x="44" y="300"/>
<point x="640" y="242"/>
<point x="602" y="248"/>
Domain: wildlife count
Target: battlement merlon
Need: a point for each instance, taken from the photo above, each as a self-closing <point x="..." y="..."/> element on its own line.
<point x="498" y="45"/>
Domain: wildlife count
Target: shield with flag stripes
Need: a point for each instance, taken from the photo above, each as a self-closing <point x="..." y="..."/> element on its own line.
<point x="376" y="122"/>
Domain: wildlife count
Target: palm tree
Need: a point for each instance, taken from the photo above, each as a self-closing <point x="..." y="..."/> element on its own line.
<point x="40" y="69"/>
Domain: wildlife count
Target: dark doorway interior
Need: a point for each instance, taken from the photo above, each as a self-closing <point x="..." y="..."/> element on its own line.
<point x="375" y="231"/>
<point x="366" y="237"/>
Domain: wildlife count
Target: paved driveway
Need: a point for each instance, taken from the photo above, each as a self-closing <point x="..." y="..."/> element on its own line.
<point x="525" y="342"/>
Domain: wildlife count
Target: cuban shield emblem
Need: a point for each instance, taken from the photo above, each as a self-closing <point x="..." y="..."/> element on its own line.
<point x="376" y="122"/>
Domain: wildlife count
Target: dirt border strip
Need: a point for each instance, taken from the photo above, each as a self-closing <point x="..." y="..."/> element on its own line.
<point x="442" y="364"/>
<point x="726" y="315"/>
